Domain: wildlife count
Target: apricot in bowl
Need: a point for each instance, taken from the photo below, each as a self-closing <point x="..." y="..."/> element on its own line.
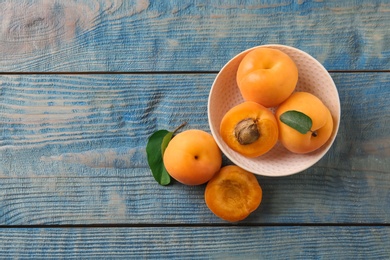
<point x="279" y="161"/>
<point x="249" y="129"/>
<point x="318" y="115"/>
<point x="266" y="76"/>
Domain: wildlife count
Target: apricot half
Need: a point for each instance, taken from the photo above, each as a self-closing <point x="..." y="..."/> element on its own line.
<point x="233" y="193"/>
<point x="266" y="76"/>
<point x="249" y="129"/>
<point x="192" y="157"/>
<point x="319" y="114"/>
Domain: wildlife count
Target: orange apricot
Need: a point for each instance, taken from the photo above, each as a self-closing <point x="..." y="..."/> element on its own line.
<point x="249" y="129"/>
<point x="266" y="76"/>
<point x="233" y="193"/>
<point x="322" y="123"/>
<point x="192" y="157"/>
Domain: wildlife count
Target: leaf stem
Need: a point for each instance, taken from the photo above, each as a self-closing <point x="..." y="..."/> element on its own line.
<point x="179" y="127"/>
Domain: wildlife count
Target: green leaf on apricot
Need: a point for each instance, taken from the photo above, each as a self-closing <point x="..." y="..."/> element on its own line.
<point x="155" y="148"/>
<point x="297" y="120"/>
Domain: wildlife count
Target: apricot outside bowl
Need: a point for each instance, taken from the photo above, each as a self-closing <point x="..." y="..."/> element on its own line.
<point x="312" y="77"/>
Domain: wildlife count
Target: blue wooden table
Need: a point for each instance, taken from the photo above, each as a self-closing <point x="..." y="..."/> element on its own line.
<point x="83" y="84"/>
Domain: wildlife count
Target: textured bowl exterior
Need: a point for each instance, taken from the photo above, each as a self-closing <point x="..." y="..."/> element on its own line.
<point x="312" y="77"/>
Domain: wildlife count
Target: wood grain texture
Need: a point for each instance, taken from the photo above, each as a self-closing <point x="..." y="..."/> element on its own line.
<point x="74" y="182"/>
<point x="198" y="243"/>
<point x="73" y="152"/>
<point x="98" y="120"/>
<point x="143" y="35"/>
<point x="316" y="196"/>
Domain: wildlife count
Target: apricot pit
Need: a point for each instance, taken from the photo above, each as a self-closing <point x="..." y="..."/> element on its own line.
<point x="246" y="131"/>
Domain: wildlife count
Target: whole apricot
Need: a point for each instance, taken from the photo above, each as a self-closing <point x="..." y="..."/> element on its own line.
<point x="233" y="193"/>
<point x="266" y="76"/>
<point x="322" y="123"/>
<point x="249" y="129"/>
<point x="192" y="157"/>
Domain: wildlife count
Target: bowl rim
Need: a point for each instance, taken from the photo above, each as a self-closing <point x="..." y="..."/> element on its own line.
<point x="329" y="142"/>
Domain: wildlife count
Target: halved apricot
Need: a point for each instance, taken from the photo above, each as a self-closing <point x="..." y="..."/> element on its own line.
<point x="233" y="193"/>
<point x="249" y="129"/>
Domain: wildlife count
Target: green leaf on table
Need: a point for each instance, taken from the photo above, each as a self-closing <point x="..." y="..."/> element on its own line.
<point x="167" y="138"/>
<point x="155" y="148"/>
<point x="297" y="120"/>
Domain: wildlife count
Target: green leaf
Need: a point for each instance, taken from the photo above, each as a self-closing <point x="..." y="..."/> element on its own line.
<point x="297" y="120"/>
<point x="155" y="148"/>
<point x="167" y="138"/>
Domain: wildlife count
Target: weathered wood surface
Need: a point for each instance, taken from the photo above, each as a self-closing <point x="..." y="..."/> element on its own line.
<point x="143" y="35"/>
<point x="72" y="158"/>
<point x="198" y="243"/>
<point x="318" y="196"/>
<point x="73" y="152"/>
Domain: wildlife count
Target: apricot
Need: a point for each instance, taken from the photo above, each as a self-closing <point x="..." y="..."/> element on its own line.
<point x="192" y="157"/>
<point x="266" y="76"/>
<point x="322" y="123"/>
<point x="233" y="193"/>
<point x="249" y="129"/>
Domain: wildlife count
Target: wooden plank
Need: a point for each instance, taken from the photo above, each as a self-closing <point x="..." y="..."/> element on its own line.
<point x="113" y="110"/>
<point x="142" y="35"/>
<point x="198" y="243"/>
<point x="52" y="122"/>
<point x="317" y="196"/>
<point x="72" y="152"/>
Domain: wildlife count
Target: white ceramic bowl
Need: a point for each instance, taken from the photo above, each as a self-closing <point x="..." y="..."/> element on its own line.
<point x="312" y="77"/>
